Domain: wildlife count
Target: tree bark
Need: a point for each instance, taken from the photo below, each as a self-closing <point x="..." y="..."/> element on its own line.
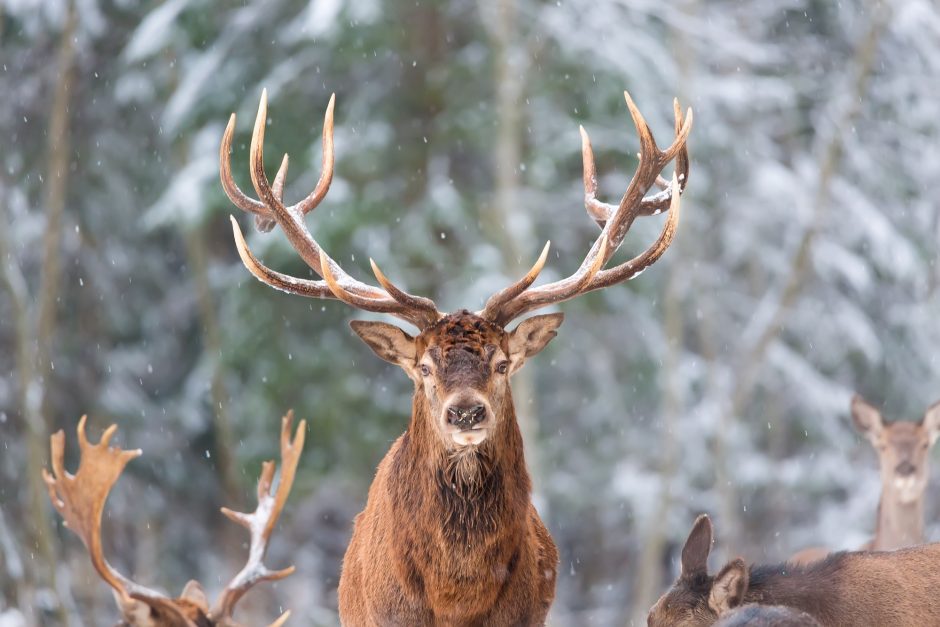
<point x="510" y="83"/>
<point x="34" y="320"/>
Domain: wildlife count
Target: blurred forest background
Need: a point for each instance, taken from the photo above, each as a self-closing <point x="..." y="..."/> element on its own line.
<point x="719" y="381"/>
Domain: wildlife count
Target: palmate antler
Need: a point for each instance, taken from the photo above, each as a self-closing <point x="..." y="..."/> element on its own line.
<point x="80" y="499"/>
<point x="505" y="305"/>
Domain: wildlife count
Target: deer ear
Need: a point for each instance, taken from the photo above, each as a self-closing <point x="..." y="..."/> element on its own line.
<point x="194" y="593"/>
<point x="388" y="341"/>
<point x="697" y="547"/>
<point x="729" y="587"/>
<point x="931" y="422"/>
<point x="532" y="335"/>
<point x="867" y="418"/>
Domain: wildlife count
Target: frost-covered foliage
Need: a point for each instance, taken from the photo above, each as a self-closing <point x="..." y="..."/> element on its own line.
<point x="719" y="380"/>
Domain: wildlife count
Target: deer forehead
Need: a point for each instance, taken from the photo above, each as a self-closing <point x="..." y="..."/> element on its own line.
<point x="461" y="333"/>
<point x="904" y="433"/>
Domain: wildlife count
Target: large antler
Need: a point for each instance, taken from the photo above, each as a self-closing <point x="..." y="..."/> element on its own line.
<point x="261" y="522"/>
<point x="270" y="209"/>
<point x="80" y="499"/>
<point x="518" y="298"/>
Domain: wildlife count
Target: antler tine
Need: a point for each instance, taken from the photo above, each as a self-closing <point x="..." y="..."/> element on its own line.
<point x="409" y="301"/>
<point x="310" y="203"/>
<point x="421" y="312"/>
<point x="291" y="218"/>
<point x="80" y="500"/>
<point x="418" y="310"/>
<point x="652" y="161"/>
<point x="277" y="280"/>
<point x="655" y="204"/>
<point x="235" y="194"/>
<point x="500" y="298"/>
<point x="633" y="268"/>
<point x="650" y="205"/>
<point x="615" y="222"/>
<point x="261" y="522"/>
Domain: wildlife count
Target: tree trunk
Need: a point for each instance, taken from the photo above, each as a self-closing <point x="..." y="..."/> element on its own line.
<point x="510" y="83"/>
<point x="779" y="303"/>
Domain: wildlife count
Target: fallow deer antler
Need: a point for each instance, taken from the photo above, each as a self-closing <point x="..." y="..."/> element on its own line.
<point x="261" y="522"/>
<point x="80" y="499"/>
<point x="336" y="283"/>
<point x="615" y="222"/>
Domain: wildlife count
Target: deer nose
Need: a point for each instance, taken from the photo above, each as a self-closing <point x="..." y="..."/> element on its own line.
<point x="905" y="469"/>
<point x="465" y="417"/>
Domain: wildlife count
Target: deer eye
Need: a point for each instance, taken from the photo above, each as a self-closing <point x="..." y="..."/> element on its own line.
<point x="425" y="371"/>
<point x="502" y="367"/>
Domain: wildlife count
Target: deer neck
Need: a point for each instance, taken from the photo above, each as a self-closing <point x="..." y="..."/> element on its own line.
<point x="899" y="524"/>
<point x="470" y="491"/>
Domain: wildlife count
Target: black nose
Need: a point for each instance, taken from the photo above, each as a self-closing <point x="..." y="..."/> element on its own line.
<point x="465" y="417"/>
<point x="905" y="469"/>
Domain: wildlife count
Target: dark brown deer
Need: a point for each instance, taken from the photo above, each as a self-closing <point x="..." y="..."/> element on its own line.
<point x="849" y="589"/>
<point x="903" y="449"/>
<point x="80" y="499"/>
<point x="449" y="535"/>
<point x="753" y="615"/>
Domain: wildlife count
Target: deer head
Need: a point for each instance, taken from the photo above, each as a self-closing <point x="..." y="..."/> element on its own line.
<point x="697" y="598"/>
<point x="461" y="362"/>
<point x="80" y="499"/>
<point x="903" y="448"/>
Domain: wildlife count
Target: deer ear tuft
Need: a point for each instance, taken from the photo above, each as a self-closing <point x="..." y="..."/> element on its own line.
<point x="729" y="587"/>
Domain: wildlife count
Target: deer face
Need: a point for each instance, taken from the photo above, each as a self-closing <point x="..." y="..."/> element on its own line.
<point x="461" y="367"/>
<point x="903" y="448"/>
<point x="697" y="599"/>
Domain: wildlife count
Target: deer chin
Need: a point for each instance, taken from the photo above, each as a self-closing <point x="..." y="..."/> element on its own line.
<point x="908" y="489"/>
<point x="469" y="437"/>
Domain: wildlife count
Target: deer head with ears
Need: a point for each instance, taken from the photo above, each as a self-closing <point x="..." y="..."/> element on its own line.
<point x="462" y="361"/>
<point x="903" y="448"/>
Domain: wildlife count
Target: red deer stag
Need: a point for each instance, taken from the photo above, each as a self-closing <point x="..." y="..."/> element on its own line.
<point x="903" y="449"/>
<point x="449" y="535"/>
<point x="848" y="589"/>
<point x="80" y="498"/>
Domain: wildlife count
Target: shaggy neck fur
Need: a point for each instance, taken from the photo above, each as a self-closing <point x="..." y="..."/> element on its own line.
<point x="473" y="492"/>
